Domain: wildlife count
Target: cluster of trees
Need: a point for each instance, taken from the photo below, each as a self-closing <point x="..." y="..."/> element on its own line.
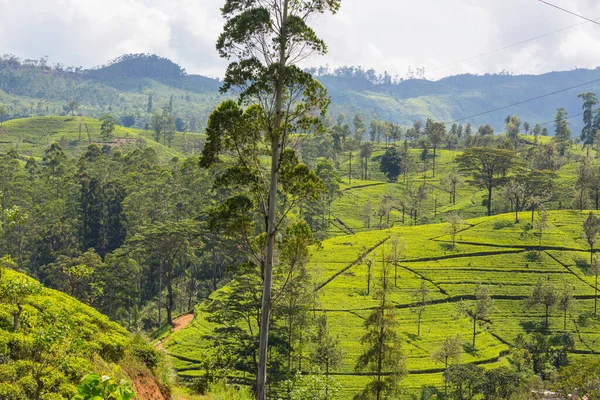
<point x="121" y="232"/>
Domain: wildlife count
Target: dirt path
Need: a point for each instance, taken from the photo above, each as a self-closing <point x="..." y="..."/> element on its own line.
<point x="179" y="323"/>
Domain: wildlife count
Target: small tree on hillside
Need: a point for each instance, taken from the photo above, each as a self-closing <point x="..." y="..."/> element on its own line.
<point x="450" y="350"/>
<point x="565" y="302"/>
<point x="482" y="307"/>
<point x="73" y="106"/>
<point x="391" y="164"/>
<point x="366" y="213"/>
<point x="396" y="249"/>
<point x="541" y="227"/>
<point x="488" y="167"/>
<point x="591" y="228"/>
<point x="107" y="127"/>
<point x="515" y="192"/>
<point x="15" y="292"/>
<point x="455" y="224"/>
<point x="543" y="294"/>
<point x="451" y="183"/>
<point x="327" y="353"/>
<point x="420" y="299"/>
<point x="383" y="355"/>
<point x="435" y="132"/>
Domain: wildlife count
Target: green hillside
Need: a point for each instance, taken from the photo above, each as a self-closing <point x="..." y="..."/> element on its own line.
<point x="506" y="257"/>
<point x="32" y="136"/>
<point x="57" y="341"/>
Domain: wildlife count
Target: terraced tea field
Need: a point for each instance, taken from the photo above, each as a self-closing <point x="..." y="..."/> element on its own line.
<point x="491" y="250"/>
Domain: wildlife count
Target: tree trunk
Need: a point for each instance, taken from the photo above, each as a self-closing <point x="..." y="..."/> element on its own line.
<point x="596" y="295"/>
<point x="489" y="203"/>
<point x="16" y="317"/>
<point x="419" y="323"/>
<point x="350" y="172"/>
<point x="368" y="279"/>
<point x="160" y="298"/>
<point x="327" y="379"/>
<point x="474" y="329"/>
<point x="434" y="152"/>
<point x="261" y="376"/>
<point x="547" y="322"/>
<point x="169" y="301"/>
<point x="454" y="194"/>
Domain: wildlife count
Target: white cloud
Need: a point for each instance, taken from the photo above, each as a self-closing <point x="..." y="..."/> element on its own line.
<point x="384" y="34"/>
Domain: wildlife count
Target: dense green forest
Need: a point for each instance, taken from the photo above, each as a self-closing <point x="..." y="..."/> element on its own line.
<point x="292" y="233"/>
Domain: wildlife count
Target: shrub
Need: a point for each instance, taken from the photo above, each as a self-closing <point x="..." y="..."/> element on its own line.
<point x="503" y="224"/>
<point x="111" y="347"/>
<point x="144" y="352"/>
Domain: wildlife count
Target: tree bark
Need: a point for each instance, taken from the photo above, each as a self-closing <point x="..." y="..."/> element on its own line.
<point x="434" y="153"/>
<point x="16" y="317"/>
<point x="474" y="329"/>
<point x="596" y="295"/>
<point x="489" y="203"/>
<point x="261" y="376"/>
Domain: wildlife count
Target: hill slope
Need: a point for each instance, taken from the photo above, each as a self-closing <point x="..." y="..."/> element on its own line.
<point x="32" y="136"/>
<point x="491" y="250"/>
<point x="58" y="340"/>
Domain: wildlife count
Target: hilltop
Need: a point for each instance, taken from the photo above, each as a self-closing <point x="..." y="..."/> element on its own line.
<point x="136" y="85"/>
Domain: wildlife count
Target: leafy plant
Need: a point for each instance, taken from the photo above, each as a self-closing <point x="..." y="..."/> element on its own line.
<point x="96" y="387"/>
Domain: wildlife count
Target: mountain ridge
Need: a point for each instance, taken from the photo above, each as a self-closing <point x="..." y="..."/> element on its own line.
<point x="124" y="87"/>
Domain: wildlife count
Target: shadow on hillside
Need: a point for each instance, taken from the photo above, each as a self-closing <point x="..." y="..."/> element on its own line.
<point x="448" y="247"/>
<point x="533" y="326"/>
<point x="470" y="350"/>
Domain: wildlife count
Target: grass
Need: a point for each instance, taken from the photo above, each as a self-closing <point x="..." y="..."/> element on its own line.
<point x="491" y="250"/>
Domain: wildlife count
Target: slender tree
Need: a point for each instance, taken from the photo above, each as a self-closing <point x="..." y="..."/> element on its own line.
<point x="450" y="350"/>
<point x="420" y="299"/>
<point x="107" y="127"/>
<point x="455" y="224"/>
<point x="383" y="355"/>
<point x="435" y="133"/>
<point x="565" y="302"/>
<point x="482" y="307"/>
<point x="562" y="132"/>
<point x="591" y="228"/>
<point x="287" y="97"/>
<point x="327" y="353"/>
<point x="543" y="294"/>
<point x="589" y="101"/>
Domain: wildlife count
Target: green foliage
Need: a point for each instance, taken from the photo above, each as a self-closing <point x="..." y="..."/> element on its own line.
<point x="391" y="164"/>
<point x="96" y="387"/>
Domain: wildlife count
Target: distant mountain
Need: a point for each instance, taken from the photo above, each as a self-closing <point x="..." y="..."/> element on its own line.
<point x="136" y="85"/>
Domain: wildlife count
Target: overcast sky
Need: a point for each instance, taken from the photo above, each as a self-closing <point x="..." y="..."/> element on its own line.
<point x="382" y="34"/>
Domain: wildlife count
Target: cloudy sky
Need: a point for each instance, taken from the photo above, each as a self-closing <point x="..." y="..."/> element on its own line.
<point x="382" y="34"/>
